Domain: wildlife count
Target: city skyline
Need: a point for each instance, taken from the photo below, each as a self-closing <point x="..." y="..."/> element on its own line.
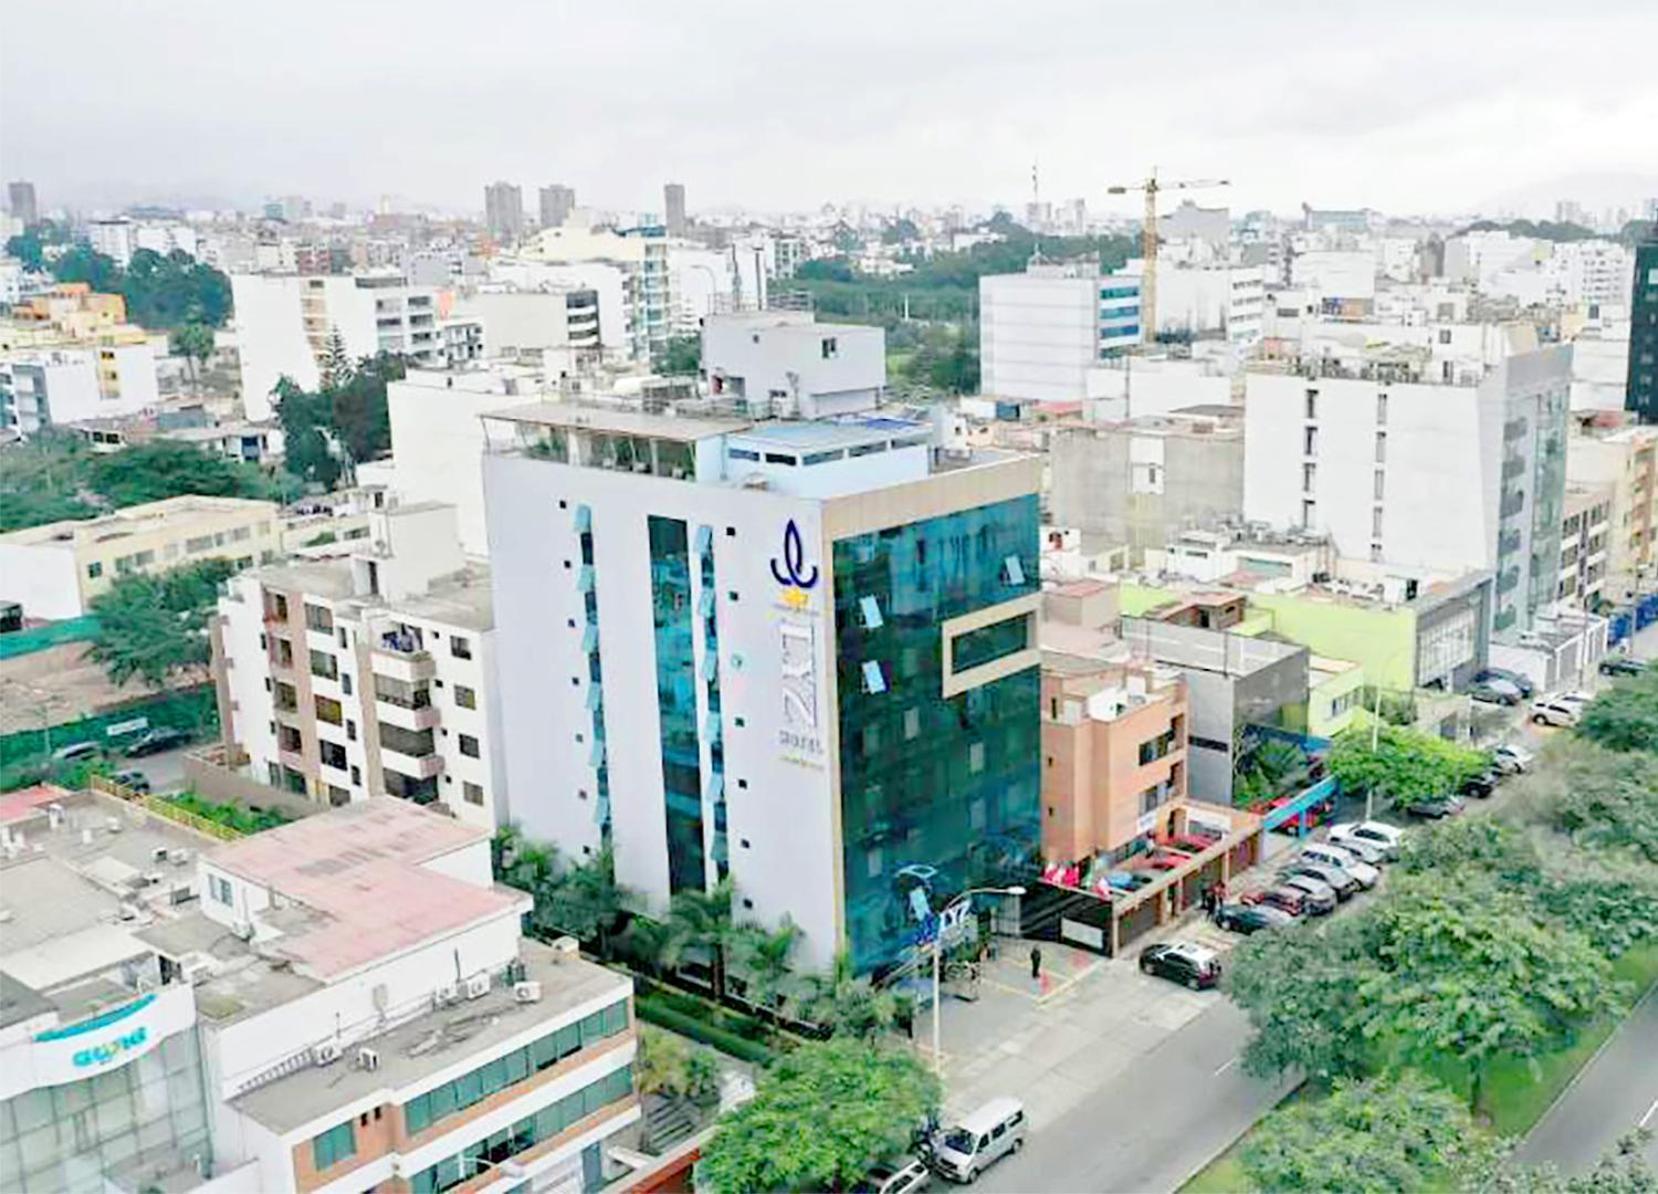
<point x="1415" y="113"/>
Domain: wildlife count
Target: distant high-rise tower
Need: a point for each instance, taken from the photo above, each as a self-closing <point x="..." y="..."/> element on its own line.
<point x="1641" y="394"/>
<point x="673" y="199"/>
<point x="20" y="197"/>
<point x="557" y="201"/>
<point x="504" y="211"/>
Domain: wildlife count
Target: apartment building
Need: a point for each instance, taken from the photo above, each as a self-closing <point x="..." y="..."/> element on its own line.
<point x="556" y="322"/>
<point x="504" y="211"/>
<point x="369" y="673"/>
<point x="55" y="570"/>
<point x="557" y="202"/>
<point x="1143" y="481"/>
<point x="186" y="1015"/>
<point x="69" y="355"/>
<point x="1404" y="455"/>
<point x="1624" y="459"/>
<point x="1585" y="534"/>
<point x="818" y="673"/>
<point x="1113" y="751"/>
<point x="1041" y="331"/>
<point x="1641" y="394"/>
<point x="285" y="323"/>
<point x="1202" y="301"/>
<point x="785" y="362"/>
<point x="639" y="258"/>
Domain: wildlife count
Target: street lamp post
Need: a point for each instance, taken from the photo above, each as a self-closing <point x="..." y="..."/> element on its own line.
<point x="938" y="951"/>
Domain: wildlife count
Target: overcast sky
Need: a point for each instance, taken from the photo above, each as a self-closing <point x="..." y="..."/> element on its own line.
<point x="1404" y="105"/>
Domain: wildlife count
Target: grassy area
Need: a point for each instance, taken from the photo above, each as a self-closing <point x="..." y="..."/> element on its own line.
<point x="1223" y="1175"/>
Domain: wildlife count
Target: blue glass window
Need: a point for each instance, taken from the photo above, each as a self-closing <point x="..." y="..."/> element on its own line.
<point x="676" y="699"/>
<point x="989" y="643"/>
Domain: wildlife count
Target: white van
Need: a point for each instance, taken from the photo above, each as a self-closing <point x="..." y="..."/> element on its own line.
<point x="1366" y="874"/>
<point x="990" y="1133"/>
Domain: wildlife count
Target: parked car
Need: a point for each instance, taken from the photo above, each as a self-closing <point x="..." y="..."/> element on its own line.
<point x="77" y="752"/>
<point x="1483" y="785"/>
<point x="1553" y="711"/>
<point x="155" y="741"/>
<point x="1320" y="896"/>
<point x="1496" y="692"/>
<point x="1333" y="877"/>
<point x="1510" y="758"/>
<point x="980" y="1139"/>
<point x="1621" y="665"/>
<point x="1129" y="880"/>
<point x="1436" y="808"/>
<point x="1182" y="962"/>
<point x="902" y="1176"/>
<point x="1191" y="843"/>
<point x="1363" y="850"/>
<point x="1285" y="899"/>
<point x="1326" y="854"/>
<point x="1252" y="918"/>
<point x="1167" y="860"/>
<point x="1379" y="834"/>
<point x="132" y="778"/>
<point x="1576" y="697"/>
<point x="1517" y="680"/>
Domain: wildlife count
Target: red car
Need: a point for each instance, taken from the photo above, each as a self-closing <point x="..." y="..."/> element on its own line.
<point x="1191" y="843"/>
<point x="1167" y="860"/>
<point x="1287" y="898"/>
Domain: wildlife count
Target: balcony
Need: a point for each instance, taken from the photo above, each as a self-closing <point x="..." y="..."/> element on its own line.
<point x="416" y="766"/>
<point x="408" y="717"/>
<point x="403" y="659"/>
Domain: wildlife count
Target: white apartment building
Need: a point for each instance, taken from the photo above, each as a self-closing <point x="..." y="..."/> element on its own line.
<point x="798" y="654"/>
<point x="371" y="673"/>
<point x="113" y="238"/>
<point x="1404" y="456"/>
<point x="559" y="322"/>
<point x="1585" y="545"/>
<point x="647" y="280"/>
<point x="1041" y="331"/>
<point x="284" y="324"/>
<point x="1338" y="273"/>
<point x="44" y="386"/>
<point x="1208" y="300"/>
<point x="339" y="1004"/>
<point x="787" y="363"/>
<point x="614" y="291"/>
<point x="1478" y="257"/>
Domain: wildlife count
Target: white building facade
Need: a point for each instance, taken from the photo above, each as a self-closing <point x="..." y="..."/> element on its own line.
<point x="1042" y="330"/>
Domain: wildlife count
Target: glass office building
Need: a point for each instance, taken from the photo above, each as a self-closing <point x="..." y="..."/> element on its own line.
<point x="676" y="692"/>
<point x="938" y="792"/>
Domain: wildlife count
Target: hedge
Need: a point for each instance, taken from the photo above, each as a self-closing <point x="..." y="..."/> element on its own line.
<point x="653" y="1010"/>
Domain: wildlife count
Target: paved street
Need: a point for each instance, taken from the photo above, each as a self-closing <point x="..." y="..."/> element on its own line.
<point x="1615" y="1093"/>
<point x="165" y="770"/>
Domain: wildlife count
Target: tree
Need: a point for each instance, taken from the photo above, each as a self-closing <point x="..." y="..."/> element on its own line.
<point x="335" y="367"/>
<point x="154" y="627"/>
<point x="1601" y="798"/>
<point x="1377" y="1136"/>
<point x="167" y="291"/>
<point x="682" y="356"/>
<point x="821" y="1116"/>
<point x="165" y="468"/>
<point x="1483" y="843"/>
<point x="1621" y="1171"/>
<point x="761" y="956"/>
<point x="584" y="902"/>
<point x="44" y="480"/>
<point x="79" y="263"/>
<point x="1625" y="717"/>
<point x="701" y="920"/>
<point x="669" y="1064"/>
<point x="194" y="342"/>
<point x="308" y="445"/>
<point x="847" y="1005"/>
<point x="1466" y="971"/>
<point x="1297" y="990"/>
<point x="1406" y="765"/>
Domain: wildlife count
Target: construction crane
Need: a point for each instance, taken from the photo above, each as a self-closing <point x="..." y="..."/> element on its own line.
<point x="1148" y="239"/>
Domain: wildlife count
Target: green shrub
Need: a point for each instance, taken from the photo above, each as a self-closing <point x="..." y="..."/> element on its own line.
<point x="653" y="1011"/>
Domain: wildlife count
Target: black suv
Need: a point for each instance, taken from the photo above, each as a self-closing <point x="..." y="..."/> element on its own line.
<point x="1182" y="962"/>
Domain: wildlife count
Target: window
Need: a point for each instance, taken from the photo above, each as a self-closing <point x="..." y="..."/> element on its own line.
<point x="333" y="754"/>
<point x="471" y="792"/>
<point x="460" y="648"/>
<point x="323" y="665"/>
<point x="870" y="608"/>
<point x="1013" y="570"/>
<point x="1312" y="404"/>
<point x="1309" y="514"/>
<point x="465" y="697"/>
<point x="219" y="889"/>
<point x="333" y="1146"/>
<point x="975" y="758"/>
<point x="1381" y="447"/>
<point x="1444" y="335"/>
<point x="345" y="683"/>
<point x="742" y="454"/>
<point x="874" y="680"/>
<point x="974" y="648"/>
<point x="831" y="348"/>
<point x="1309" y="441"/>
<point x="318" y="618"/>
<point x="1309" y="477"/>
<point x="781" y="458"/>
<point x="1381" y="408"/>
<point x="94" y="570"/>
<point x="469" y="746"/>
<point x="1379" y="484"/>
<point x="912" y="723"/>
<point x="1376" y="523"/>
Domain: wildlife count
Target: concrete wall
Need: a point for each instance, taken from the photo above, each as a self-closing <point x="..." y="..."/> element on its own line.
<point x="1200" y="482"/>
<point x="1038" y="336"/>
<point x="45" y="579"/>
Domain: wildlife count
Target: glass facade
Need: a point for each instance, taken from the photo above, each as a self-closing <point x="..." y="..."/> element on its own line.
<point x="588" y="583"/>
<point x="65" y="1138"/>
<point x="937" y="793"/>
<point x="676" y="701"/>
<point x="708" y="588"/>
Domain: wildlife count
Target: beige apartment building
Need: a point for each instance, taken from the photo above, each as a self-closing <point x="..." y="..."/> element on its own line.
<point x="57" y="569"/>
<point x="1585" y="528"/>
<point x="1626" y="460"/>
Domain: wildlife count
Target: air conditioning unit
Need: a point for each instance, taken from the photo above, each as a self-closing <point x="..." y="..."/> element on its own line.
<point x="326" y="1053"/>
<point x="566" y="947"/>
<point x="197" y="970"/>
<point x="368" y="1059"/>
<point x="477" y="986"/>
<point x="159" y="854"/>
<point x="180" y="894"/>
<point x="179" y="857"/>
<point x="526" y="992"/>
<point x="153" y="878"/>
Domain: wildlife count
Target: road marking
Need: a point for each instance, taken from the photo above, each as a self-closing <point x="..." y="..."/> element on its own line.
<point x="1234" y="1062"/>
<point x="1641" y="1123"/>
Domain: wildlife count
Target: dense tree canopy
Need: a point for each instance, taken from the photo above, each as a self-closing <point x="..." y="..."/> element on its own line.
<point x="161" y="291"/>
<point x="1407" y="765"/>
<point x="154" y="626"/>
<point x="1601" y="798"/>
<point x="1625" y="717"/>
<point x="344" y="420"/>
<point x="162" y="468"/>
<point x="823" y="1114"/>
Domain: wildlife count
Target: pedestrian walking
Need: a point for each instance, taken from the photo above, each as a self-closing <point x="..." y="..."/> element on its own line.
<point x="1036" y="962"/>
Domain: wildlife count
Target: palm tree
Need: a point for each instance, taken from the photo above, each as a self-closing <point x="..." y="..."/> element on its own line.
<point x="848" y="1005"/>
<point x="702" y="919"/>
<point x="762" y="955"/>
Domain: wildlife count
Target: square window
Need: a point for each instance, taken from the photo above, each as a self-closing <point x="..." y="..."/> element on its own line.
<point x="469" y="746"/>
<point x="871" y="610"/>
<point x="874" y="680"/>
